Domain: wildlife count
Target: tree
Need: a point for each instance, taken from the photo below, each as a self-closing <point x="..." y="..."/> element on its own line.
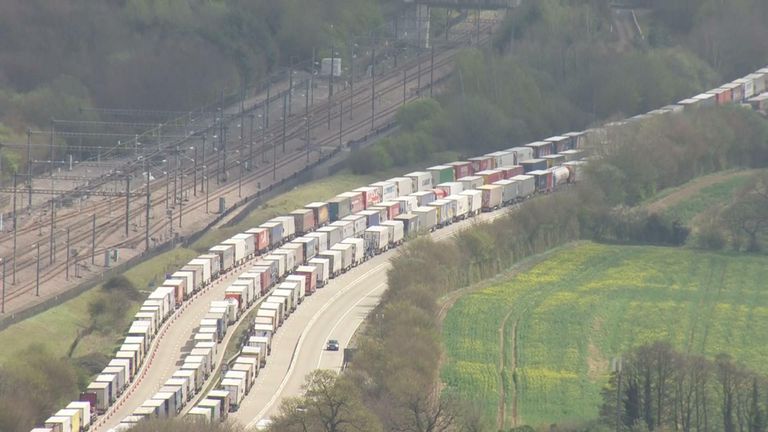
<point x="663" y="368"/>
<point x="756" y="416"/>
<point x="330" y="404"/>
<point x="667" y="390"/>
<point x="184" y="425"/>
<point x="470" y="417"/>
<point x="108" y="311"/>
<point x="726" y="376"/>
<point x="120" y="283"/>
<point x="424" y="413"/>
<point x="748" y="214"/>
<point x="410" y="115"/>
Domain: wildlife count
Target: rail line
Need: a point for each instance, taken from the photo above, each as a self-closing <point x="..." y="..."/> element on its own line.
<point x="81" y="228"/>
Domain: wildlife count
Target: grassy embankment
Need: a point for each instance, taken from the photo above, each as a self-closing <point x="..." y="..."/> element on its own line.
<point x="57" y="327"/>
<point x="569" y="315"/>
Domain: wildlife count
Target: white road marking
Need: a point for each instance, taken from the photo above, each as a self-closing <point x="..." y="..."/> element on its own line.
<point x="341" y="318"/>
<point x="301" y="342"/>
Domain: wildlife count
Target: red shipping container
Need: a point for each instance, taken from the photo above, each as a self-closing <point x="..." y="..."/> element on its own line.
<point x="371" y="196"/>
<point x="179" y="292"/>
<point x="266" y="282"/>
<point x="512" y="171"/>
<point x="482" y="163"/>
<point x="261" y="238"/>
<point x="309" y="222"/>
<point x="356" y="201"/>
<point x="179" y="289"/>
<point x="357" y="204"/>
<point x="440" y="193"/>
<point x="491" y="176"/>
<point x="393" y="210"/>
<point x="724" y="97"/>
<point x="461" y="169"/>
<point x="310" y="281"/>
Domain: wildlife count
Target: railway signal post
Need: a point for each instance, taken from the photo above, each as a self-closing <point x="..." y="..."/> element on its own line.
<point x="149" y="200"/>
<point x="93" y="239"/>
<point x="37" y="274"/>
<point x="2" y="304"/>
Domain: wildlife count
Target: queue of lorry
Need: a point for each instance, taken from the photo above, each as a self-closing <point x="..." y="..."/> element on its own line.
<point x="289" y="257"/>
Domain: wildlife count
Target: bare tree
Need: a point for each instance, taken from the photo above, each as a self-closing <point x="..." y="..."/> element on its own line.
<point x="725" y="373"/>
<point x="690" y="382"/>
<point x="422" y="413"/>
<point x="185" y="425"/>
<point x="663" y="372"/>
<point x="756" y="412"/>
<point x="330" y="404"/>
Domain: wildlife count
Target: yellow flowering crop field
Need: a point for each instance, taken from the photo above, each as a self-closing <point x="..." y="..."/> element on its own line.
<point x="564" y="319"/>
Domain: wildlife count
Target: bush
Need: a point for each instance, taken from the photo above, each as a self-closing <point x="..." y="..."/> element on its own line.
<point x="413" y="113"/>
<point x="369" y="160"/>
<point x="108" y="311"/>
<point x="708" y="233"/>
<point x="123" y="285"/>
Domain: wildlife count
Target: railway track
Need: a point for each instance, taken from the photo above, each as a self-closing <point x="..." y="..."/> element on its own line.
<point x="388" y="87"/>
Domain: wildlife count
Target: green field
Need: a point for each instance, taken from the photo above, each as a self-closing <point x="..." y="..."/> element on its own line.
<point x="568" y="315"/>
<point x="717" y="194"/>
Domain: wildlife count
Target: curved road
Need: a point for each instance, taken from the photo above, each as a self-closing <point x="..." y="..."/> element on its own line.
<point x="333" y="312"/>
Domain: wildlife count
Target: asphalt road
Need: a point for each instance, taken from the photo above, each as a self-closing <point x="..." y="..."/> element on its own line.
<point x="333" y="312"/>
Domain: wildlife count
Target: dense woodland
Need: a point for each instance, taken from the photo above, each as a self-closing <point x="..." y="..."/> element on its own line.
<point x="61" y="56"/>
<point x="558" y="66"/>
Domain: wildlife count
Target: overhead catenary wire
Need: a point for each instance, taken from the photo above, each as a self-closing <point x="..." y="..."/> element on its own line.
<point x="268" y="139"/>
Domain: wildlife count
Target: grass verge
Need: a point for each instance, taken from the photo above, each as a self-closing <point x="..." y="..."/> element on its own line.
<point x="57" y="327"/>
